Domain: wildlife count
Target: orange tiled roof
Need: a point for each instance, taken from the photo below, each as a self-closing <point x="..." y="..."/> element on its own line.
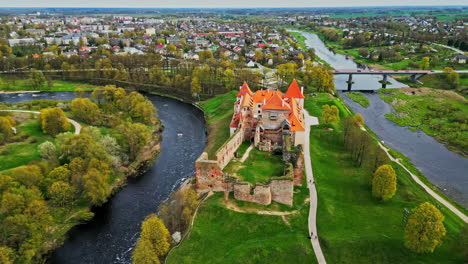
<point x="235" y="121"/>
<point x="296" y="125"/>
<point x="246" y="100"/>
<point x="276" y="103"/>
<point x="294" y="91"/>
<point x="244" y="89"/>
<point x="261" y="95"/>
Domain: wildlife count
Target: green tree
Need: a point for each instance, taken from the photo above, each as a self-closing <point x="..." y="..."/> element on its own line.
<point x="53" y="121"/>
<point x="96" y="186"/>
<point x="452" y="77"/>
<point x="425" y="229"/>
<point x="37" y="79"/>
<point x="425" y="63"/>
<point x="195" y="86"/>
<point x="61" y="193"/>
<point x="132" y="137"/>
<point x="6" y="255"/>
<point x="6" y="128"/>
<point x="330" y="114"/>
<point x="384" y="182"/>
<point x="85" y="110"/>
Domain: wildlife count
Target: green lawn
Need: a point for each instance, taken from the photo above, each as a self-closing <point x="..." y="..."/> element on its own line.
<point x="440" y="114"/>
<point x="58" y="85"/>
<point x="220" y="235"/>
<point x="300" y="39"/>
<point x="359" y="98"/>
<point x="21" y="153"/>
<point x="353" y="226"/>
<point x="218" y="111"/>
<point x="259" y="167"/>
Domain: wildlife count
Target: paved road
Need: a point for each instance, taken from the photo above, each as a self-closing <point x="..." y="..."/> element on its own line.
<point x="448" y="47"/>
<point x="73" y="122"/>
<point x="427" y="189"/>
<point x="311" y="121"/>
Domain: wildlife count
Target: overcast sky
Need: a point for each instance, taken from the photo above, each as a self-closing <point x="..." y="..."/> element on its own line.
<point x="220" y="3"/>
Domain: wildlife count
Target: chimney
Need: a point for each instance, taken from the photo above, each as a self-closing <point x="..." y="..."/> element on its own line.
<point x="282" y="103"/>
<point x="264" y="100"/>
<point x="302" y="90"/>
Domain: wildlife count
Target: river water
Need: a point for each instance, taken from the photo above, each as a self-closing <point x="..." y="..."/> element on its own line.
<point x="446" y="169"/>
<point x="110" y="236"/>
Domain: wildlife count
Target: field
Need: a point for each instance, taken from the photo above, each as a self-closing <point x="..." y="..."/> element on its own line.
<point x="259" y="167"/>
<point x="221" y="235"/>
<point x="11" y="85"/>
<point x="436" y="81"/>
<point x="218" y="112"/>
<point x="353" y="226"/>
<point x="440" y="114"/>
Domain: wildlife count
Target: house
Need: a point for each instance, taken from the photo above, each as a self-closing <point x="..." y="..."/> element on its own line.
<point x="460" y="59"/>
<point x="21" y="42"/>
<point x="250" y="64"/>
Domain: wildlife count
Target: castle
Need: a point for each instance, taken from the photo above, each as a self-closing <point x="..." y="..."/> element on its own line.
<point x="266" y="116"/>
<point x="271" y="121"/>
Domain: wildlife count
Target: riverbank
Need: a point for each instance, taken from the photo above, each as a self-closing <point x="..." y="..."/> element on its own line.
<point x="91" y="167"/>
<point x="14" y="85"/>
<point x="407" y="59"/>
<point x="440" y="114"/>
<point x="368" y="238"/>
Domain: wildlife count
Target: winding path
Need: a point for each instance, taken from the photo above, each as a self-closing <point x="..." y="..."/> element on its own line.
<point x="426" y="188"/>
<point x="73" y="122"/>
<point x="312" y="121"/>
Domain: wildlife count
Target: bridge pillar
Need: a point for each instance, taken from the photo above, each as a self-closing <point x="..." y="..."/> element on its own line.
<point x="384" y="81"/>
<point x="413" y="78"/>
<point x="350" y="82"/>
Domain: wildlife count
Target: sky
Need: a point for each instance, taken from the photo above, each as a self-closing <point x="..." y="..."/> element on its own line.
<point x="221" y="3"/>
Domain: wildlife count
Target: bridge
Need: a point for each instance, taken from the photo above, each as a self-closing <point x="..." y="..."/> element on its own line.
<point x="415" y="74"/>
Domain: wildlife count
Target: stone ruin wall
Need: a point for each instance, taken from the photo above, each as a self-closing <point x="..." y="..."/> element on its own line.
<point x="298" y="170"/>
<point x="226" y="152"/>
<point x="209" y="176"/>
<point x="261" y="194"/>
<point x="282" y="191"/>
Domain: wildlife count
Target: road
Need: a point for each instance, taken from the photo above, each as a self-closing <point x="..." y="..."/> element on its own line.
<point x="312" y="121"/>
<point x="448" y="47"/>
<point x="73" y="122"/>
<point x="426" y="188"/>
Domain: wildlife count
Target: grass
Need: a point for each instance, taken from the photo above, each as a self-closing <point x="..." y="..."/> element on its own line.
<point x="17" y="154"/>
<point x="218" y="112"/>
<point x="439" y="114"/>
<point x="220" y="235"/>
<point x="259" y="167"/>
<point x="359" y="98"/>
<point x="300" y="39"/>
<point x="437" y="81"/>
<point x="353" y="226"/>
<point x="22" y="85"/>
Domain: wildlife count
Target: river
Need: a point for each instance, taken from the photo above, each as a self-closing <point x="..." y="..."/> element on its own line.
<point x="110" y="236"/>
<point x="444" y="168"/>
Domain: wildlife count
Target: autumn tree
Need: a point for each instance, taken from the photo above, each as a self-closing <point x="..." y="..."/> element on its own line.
<point x="322" y="79"/>
<point x="425" y="229"/>
<point x="53" y="121"/>
<point x="384" y="182"/>
<point x="195" y="86"/>
<point x="452" y="78"/>
<point x="359" y="119"/>
<point x="6" y="128"/>
<point x="153" y="242"/>
<point x="330" y="114"/>
<point x="85" y="110"/>
<point x="6" y="255"/>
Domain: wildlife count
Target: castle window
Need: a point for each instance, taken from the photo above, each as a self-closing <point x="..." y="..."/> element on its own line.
<point x="273" y="115"/>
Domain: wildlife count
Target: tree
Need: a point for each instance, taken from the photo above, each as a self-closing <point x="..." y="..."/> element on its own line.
<point x="195" y="86"/>
<point x="452" y="77"/>
<point x="48" y="152"/>
<point x="153" y="242"/>
<point x="96" y="186"/>
<point x="28" y="175"/>
<point x="144" y="254"/>
<point x="6" y="128"/>
<point x="425" y="63"/>
<point x="53" y="121"/>
<point x="37" y="79"/>
<point x="359" y="119"/>
<point x="425" y="229"/>
<point x="330" y="114"/>
<point x="322" y="79"/>
<point x="85" y="110"/>
<point x="384" y="182"/>
<point x="61" y="193"/>
<point x="132" y="137"/>
<point x="6" y="255"/>
<point x="171" y="49"/>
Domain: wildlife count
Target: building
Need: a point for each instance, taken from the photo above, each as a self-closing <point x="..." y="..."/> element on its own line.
<point x="266" y="116"/>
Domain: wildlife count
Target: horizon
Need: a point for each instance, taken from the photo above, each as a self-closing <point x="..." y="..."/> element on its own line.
<point x="214" y="4"/>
